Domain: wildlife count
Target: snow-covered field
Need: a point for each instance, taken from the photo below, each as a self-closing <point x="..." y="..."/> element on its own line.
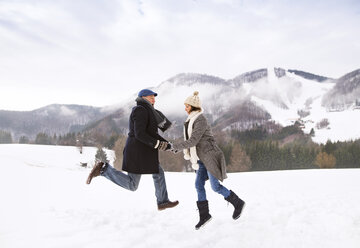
<point x="46" y="203"/>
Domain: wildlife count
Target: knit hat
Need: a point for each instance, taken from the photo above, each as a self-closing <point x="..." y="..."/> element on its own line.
<point x="194" y="100"/>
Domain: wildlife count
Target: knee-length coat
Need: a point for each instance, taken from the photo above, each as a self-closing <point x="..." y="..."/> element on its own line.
<point x="140" y="154"/>
<point x="206" y="148"/>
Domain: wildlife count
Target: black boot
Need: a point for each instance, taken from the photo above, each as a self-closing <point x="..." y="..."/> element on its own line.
<point x="205" y="217"/>
<point x="237" y="203"/>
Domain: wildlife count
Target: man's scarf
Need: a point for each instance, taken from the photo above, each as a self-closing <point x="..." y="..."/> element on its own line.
<point x="162" y="122"/>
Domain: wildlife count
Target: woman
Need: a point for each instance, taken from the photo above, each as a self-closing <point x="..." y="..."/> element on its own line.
<point x="206" y="158"/>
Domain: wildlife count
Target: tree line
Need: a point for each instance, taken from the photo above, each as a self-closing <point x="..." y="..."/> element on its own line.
<point x="5" y="137"/>
<point x="287" y="149"/>
<point x="68" y="139"/>
<point x="255" y="149"/>
<point x="260" y="150"/>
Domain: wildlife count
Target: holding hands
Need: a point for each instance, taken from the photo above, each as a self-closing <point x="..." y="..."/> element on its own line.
<point x="172" y="149"/>
<point x="167" y="146"/>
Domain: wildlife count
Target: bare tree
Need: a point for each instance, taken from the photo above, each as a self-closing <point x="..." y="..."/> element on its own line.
<point x="119" y="148"/>
<point x="239" y="160"/>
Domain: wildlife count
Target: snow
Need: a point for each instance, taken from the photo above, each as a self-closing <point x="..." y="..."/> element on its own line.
<point x="343" y="125"/>
<point x="67" y="111"/>
<point x="295" y="91"/>
<point x="46" y="203"/>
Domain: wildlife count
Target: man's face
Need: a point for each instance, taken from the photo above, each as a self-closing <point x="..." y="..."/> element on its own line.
<point x="150" y="99"/>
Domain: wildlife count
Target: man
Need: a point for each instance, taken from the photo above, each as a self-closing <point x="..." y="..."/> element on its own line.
<point x="141" y="154"/>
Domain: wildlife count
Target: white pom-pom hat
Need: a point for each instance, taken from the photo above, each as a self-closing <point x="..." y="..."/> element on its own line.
<point x="194" y="100"/>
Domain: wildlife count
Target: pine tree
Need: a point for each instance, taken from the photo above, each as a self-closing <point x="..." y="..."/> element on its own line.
<point x="101" y="156"/>
<point x="110" y="143"/>
<point x="329" y="147"/>
<point x="5" y="137"/>
<point x="24" y="140"/>
<point x="43" y="139"/>
<point x="312" y="132"/>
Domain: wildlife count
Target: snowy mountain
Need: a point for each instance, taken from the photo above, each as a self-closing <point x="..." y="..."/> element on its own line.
<point x="331" y="107"/>
<point x="345" y="94"/>
<point x="111" y="124"/>
<point x="52" y="119"/>
<point x="189" y="79"/>
<point x="249" y="77"/>
<point x="310" y="76"/>
<point x="272" y="94"/>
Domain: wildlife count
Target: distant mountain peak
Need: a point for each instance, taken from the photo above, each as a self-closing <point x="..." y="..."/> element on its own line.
<point x="351" y="77"/>
<point x="346" y="92"/>
<point x="348" y="83"/>
<point x="249" y="77"/>
<point x="192" y="78"/>
<point x="279" y="72"/>
<point x="309" y="76"/>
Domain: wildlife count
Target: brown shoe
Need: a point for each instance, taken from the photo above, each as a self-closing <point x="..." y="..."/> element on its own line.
<point x="168" y="204"/>
<point x="95" y="172"/>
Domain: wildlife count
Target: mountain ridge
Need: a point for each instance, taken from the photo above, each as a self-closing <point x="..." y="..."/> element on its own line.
<point x="258" y="96"/>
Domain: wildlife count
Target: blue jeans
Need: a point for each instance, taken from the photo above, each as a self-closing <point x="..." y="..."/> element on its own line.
<point x="131" y="181"/>
<point x="201" y="176"/>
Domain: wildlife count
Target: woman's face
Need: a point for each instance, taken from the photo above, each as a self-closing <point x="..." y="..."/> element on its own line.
<point x="187" y="108"/>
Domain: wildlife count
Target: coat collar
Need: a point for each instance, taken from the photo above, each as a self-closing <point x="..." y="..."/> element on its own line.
<point x="194" y="114"/>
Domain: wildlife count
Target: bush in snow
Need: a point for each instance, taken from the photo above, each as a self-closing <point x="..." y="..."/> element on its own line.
<point x="322" y="124"/>
<point x="325" y="160"/>
<point x="101" y="156"/>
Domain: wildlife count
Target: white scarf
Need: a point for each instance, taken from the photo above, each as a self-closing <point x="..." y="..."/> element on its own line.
<point x="190" y="154"/>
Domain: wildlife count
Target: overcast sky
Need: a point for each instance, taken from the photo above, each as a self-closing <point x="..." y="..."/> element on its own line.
<point x="97" y="52"/>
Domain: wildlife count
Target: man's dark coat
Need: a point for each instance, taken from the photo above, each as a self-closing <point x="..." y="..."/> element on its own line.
<point x="140" y="156"/>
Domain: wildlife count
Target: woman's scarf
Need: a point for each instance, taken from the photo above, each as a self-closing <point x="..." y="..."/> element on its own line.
<point x="162" y="122"/>
<point x="190" y="154"/>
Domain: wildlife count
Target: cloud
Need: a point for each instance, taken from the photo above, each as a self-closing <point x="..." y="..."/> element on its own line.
<point x="114" y="47"/>
<point x="66" y="111"/>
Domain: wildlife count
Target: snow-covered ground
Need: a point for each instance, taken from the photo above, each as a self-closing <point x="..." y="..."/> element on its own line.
<point x="46" y="203"/>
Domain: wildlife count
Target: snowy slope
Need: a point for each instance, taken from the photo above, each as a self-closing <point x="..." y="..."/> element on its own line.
<point x="282" y="94"/>
<point x="343" y="125"/>
<point x="282" y="97"/>
<point x="298" y="93"/>
<point x="46" y="203"/>
<point x="292" y="90"/>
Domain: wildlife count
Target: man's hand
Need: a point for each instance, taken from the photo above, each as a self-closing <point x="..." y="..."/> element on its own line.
<point x="164" y="145"/>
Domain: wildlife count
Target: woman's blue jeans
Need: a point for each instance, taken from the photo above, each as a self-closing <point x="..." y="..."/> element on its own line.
<point x="130" y="181"/>
<point x="201" y="176"/>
